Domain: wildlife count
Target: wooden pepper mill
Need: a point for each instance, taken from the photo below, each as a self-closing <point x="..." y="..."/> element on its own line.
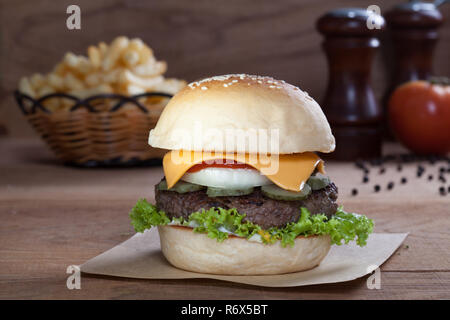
<point x="349" y="103"/>
<point x="413" y="30"/>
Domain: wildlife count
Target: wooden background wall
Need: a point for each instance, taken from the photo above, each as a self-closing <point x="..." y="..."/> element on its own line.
<point x="197" y="38"/>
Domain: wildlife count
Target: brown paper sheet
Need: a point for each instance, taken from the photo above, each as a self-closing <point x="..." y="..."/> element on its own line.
<point x="140" y="257"/>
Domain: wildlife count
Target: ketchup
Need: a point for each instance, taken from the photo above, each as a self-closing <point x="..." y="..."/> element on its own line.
<point x="230" y="164"/>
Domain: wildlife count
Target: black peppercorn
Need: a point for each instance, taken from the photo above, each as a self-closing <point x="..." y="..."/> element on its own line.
<point x="442" y="179"/>
<point x="377" y="188"/>
<point x="430" y="177"/>
<point x="404" y="180"/>
<point x="442" y="191"/>
<point x="382" y="170"/>
<point x="405" y="158"/>
<point x="390" y="185"/>
<point x="420" y="171"/>
<point x="365" y="179"/>
<point x="354" y="192"/>
<point x="399" y="167"/>
<point x="359" y="164"/>
<point x="431" y="159"/>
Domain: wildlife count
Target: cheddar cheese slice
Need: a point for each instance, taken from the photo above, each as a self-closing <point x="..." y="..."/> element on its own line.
<point x="288" y="171"/>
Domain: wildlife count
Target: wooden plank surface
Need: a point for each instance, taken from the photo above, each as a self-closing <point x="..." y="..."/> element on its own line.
<point x="200" y="39"/>
<point x="54" y="216"/>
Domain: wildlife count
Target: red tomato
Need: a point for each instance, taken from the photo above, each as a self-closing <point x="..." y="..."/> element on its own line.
<point x="231" y="164"/>
<point x="419" y="116"/>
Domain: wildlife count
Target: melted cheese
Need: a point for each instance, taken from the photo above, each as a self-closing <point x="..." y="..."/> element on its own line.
<point x="288" y="171"/>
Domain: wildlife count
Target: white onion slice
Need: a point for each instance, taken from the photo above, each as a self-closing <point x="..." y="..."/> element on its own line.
<point x="227" y="178"/>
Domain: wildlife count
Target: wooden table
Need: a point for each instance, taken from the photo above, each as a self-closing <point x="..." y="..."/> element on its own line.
<point x="53" y="216"/>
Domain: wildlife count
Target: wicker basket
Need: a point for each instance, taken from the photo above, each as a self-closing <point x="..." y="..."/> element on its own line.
<point x="102" y="130"/>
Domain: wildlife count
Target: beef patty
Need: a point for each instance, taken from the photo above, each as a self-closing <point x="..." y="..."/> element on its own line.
<point x="258" y="208"/>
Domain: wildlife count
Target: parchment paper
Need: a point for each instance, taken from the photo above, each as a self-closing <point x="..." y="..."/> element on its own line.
<point x="140" y="257"/>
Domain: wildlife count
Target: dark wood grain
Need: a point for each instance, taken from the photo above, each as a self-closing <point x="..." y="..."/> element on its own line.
<point x="203" y="38"/>
<point x="54" y="216"/>
<point x="41" y="238"/>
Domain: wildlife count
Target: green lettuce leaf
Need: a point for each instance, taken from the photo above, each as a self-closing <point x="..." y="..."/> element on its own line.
<point x="145" y="215"/>
<point x="218" y="223"/>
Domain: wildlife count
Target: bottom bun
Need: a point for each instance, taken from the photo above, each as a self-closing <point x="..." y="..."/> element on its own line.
<point x="195" y="252"/>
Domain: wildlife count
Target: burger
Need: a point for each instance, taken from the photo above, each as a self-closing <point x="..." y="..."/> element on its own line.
<point x="244" y="191"/>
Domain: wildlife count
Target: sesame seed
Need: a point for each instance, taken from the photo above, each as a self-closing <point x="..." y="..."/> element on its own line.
<point x="204" y="88"/>
<point x="271" y="87"/>
<point x="229" y="79"/>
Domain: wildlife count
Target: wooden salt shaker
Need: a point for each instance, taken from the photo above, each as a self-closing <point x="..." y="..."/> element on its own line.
<point x="349" y="103"/>
<point x="413" y="29"/>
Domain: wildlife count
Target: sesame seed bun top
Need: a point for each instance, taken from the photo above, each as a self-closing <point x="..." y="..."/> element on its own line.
<point x="207" y="114"/>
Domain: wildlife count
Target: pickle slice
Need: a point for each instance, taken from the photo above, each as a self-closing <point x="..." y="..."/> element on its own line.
<point x="220" y="192"/>
<point x="275" y="192"/>
<point x="318" y="181"/>
<point x="162" y="186"/>
<point x="180" y="187"/>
